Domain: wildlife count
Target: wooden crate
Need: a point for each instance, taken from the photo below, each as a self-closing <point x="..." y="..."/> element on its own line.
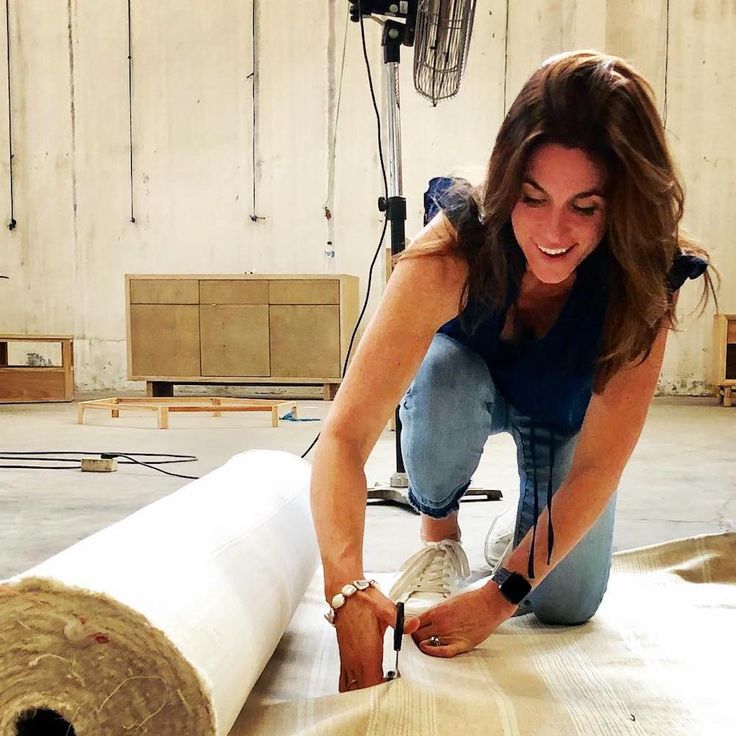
<point x="27" y="384"/>
<point x="724" y="365"/>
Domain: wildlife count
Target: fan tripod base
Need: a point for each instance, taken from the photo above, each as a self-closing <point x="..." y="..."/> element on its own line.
<point x="397" y="493"/>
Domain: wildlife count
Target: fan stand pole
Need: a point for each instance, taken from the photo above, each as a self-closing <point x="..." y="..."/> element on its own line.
<point x="395" y="209"/>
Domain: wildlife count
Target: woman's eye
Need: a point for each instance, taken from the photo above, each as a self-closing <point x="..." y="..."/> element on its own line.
<point x="585" y="211"/>
<point x="531" y="200"/>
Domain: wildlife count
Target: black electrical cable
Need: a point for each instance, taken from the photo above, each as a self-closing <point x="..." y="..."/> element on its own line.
<point x="37" y="457"/>
<point x="385" y="222"/>
<point x="130" y="106"/>
<point x="12" y="223"/>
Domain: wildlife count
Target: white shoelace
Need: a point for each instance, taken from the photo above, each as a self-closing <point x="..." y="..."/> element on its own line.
<point x="435" y="568"/>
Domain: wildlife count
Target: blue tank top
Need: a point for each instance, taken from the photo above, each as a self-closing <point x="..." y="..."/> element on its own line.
<point x="551" y="379"/>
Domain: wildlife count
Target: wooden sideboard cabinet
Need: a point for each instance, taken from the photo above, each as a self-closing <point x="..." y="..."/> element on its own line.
<point x="239" y="329"/>
<point x="724" y="365"/>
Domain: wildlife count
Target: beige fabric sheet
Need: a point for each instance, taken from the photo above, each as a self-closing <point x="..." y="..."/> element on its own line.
<point x="659" y="658"/>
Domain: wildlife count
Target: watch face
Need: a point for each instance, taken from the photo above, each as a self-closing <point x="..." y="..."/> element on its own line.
<point x="515" y="588"/>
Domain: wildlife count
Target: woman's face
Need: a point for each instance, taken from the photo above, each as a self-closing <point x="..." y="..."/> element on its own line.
<point x="561" y="213"/>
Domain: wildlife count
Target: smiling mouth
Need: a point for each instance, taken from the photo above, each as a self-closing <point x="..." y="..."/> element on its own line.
<point x="555" y="251"/>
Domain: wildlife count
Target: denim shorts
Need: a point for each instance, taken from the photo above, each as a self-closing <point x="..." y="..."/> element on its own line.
<point x="448" y="413"/>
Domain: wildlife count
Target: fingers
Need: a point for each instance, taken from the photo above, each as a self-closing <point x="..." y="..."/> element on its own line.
<point x="411" y="625"/>
<point x="444" y="650"/>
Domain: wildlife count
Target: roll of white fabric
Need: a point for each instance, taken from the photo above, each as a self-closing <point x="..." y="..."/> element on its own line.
<point x="161" y="623"/>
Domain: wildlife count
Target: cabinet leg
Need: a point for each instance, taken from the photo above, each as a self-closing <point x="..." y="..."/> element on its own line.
<point x="329" y="390"/>
<point x="727" y="396"/>
<point x="159" y="388"/>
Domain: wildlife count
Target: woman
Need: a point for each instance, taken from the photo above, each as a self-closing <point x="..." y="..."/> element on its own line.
<point x="538" y="305"/>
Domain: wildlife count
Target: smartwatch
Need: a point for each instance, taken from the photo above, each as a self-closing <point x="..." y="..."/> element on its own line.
<point x="513" y="586"/>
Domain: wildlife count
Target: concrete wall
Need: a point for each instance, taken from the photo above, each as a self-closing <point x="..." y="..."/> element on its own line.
<point x="193" y="190"/>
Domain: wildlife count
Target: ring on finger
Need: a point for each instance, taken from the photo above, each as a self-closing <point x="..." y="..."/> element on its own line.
<point x="434" y="641"/>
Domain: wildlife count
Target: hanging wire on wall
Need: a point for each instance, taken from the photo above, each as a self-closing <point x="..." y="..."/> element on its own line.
<point x="11" y="223"/>
<point x="332" y="142"/>
<point x="506" y="57"/>
<point x="666" y="63"/>
<point x="130" y="107"/>
<point x="253" y="76"/>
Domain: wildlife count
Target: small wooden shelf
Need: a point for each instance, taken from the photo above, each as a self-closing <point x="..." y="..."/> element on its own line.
<point x="28" y="384"/>
<point x="724" y="366"/>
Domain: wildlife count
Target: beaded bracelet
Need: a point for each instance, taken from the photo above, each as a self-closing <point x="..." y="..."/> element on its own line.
<point x="338" y="601"/>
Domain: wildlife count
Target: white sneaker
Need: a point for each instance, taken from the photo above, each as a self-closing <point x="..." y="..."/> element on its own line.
<point x="430" y="576"/>
<point x="500" y="538"/>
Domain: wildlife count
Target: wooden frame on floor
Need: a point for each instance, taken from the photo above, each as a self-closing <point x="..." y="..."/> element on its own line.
<point x="163" y="407"/>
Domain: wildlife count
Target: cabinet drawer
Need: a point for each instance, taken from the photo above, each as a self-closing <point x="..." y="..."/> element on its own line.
<point x="305" y="341"/>
<point x="233" y="292"/>
<point x="234" y="340"/>
<point x="307" y="291"/>
<point x="164" y="339"/>
<point x="164" y="291"/>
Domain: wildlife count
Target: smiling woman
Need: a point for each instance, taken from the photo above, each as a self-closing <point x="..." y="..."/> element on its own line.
<point x="537" y="304"/>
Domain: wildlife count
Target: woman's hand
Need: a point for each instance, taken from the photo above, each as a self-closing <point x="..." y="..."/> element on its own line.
<point x="462" y="622"/>
<point x="361" y="624"/>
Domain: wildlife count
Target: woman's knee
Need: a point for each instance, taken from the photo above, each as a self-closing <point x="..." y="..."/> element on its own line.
<point x="450" y="378"/>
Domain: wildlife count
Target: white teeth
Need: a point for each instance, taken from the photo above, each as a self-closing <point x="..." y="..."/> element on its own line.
<point x="551" y="252"/>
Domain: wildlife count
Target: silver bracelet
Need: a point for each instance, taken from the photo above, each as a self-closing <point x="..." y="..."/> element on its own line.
<point x="338" y="600"/>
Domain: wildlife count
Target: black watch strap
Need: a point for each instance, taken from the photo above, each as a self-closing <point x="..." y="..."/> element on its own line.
<point x="514" y="587"/>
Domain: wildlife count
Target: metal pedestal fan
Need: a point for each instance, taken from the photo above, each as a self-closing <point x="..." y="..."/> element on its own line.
<point x="439" y="31"/>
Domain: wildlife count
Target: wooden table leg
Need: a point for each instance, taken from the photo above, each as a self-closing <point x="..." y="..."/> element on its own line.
<point x="159" y="388"/>
<point x="275" y="417"/>
<point x="727" y="396"/>
<point x="329" y="390"/>
<point x="80" y="414"/>
<point x="217" y="402"/>
<point x="163" y="417"/>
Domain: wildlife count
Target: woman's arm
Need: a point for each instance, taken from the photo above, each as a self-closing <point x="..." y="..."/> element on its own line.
<point x="422" y="294"/>
<point x="610" y="431"/>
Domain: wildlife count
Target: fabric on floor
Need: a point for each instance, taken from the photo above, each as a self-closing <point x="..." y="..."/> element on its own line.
<point x="656" y="660"/>
<point x="162" y="623"/>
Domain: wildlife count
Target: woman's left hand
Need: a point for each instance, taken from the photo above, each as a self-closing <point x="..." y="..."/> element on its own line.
<point x="462" y="622"/>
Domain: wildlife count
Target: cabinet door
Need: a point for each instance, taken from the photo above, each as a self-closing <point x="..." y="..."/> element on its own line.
<point x="233" y="291"/>
<point x="234" y="340"/>
<point x="305" y="341"/>
<point x="164" y="340"/>
<point x="304" y="291"/>
<point x="164" y="291"/>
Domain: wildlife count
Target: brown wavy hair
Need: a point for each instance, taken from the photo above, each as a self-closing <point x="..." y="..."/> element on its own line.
<point x="602" y="105"/>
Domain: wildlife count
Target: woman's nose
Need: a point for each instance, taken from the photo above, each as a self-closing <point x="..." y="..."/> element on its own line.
<point x="557" y="230"/>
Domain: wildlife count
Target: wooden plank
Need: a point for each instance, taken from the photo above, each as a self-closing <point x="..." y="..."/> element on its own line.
<point x="720" y="324"/>
<point x="67" y="362"/>
<point x="231" y="291"/>
<point x="301" y="291"/>
<point x="19" y="385"/>
<point x="164" y="340"/>
<point x="731" y="332"/>
<point x="234" y="340"/>
<point x="25" y="337"/>
<point x="164" y="291"/>
<point x="167" y="382"/>
<point x="305" y="339"/>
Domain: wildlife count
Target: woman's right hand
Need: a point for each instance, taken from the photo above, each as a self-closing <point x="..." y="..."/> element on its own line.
<point x="361" y="624"/>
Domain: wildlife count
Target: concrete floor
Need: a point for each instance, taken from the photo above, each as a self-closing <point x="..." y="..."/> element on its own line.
<point x="681" y="480"/>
